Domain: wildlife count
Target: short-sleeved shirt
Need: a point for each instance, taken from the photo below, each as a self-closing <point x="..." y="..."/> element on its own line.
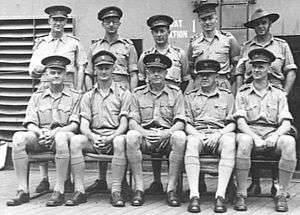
<point x="124" y="51"/>
<point x="223" y="48"/>
<point x="46" y="111"/>
<point x="179" y="69"/>
<point x="209" y="111"/>
<point x="68" y="46"/>
<point x="160" y="110"/>
<point x="283" y="63"/>
<point x="105" y="111"/>
<point x="267" y="111"/>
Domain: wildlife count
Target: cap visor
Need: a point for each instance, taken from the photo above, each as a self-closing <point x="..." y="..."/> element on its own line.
<point x="56" y="66"/>
<point x="160" y="25"/>
<point x="104" y="63"/>
<point x="58" y="16"/>
<point x="206" y="14"/>
<point x="206" y="71"/>
<point x="258" y="61"/>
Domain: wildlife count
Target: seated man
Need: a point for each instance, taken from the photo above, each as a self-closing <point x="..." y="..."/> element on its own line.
<point x="156" y="121"/>
<point x="264" y="124"/>
<point x="210" y="129"/>
<point x="52" y="116"/>
<point x="103" y="112"/>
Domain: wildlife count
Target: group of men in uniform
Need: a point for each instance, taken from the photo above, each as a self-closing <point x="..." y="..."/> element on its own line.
<point x="185" y="107"/>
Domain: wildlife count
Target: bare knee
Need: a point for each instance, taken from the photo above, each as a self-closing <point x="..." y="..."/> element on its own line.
<point x="193" y="145"/>
<point x="20" y="140"/>
<point x="178" y="139"/>
<point x="228" y="143"/>
<point x="76" y="143"/>
<point x="245" y="144"/>
<point x="287" y="146"/>
<point x="132" y="139"/>
<point x="61" y="142"/>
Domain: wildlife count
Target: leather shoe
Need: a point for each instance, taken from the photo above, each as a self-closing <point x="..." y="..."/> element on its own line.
<point x="138" y="198"/>
<point x="56" y="199"/>
<point x="96" y="187"/>
<point x="69" y="186"/>
<point x="194" y="205"/>
<point x="43" y="186"/>
<point x="254" y="188"/>
<point x="172" y="199"/>
<point x="76" y="199"/>
<point x="280" y="203"/>
<point x="21" y="198"/>
<point x="240" y="203"/>
<point x="220" y="206"/>
<point x="156" y="188"/>
<point x="116" y="199"/>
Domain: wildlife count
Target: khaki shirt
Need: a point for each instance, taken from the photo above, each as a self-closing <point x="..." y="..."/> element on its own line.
<point x="214" y="110"/>
<point x="105" y="111"/>
<point x="279" y="68"/>
<point x="179" y="69"/>
<point x="46" y="111"/>
<point x="124" y="51"/>
<point x="268" y="110"/>
<point x="223" y="48"/>
<point x="68" y="46"/>
<point x="162" y="110"/>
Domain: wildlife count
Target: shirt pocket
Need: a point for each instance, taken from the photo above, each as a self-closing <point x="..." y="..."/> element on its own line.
<point x="45" y="114"/>
<point x="146" y="110"/>
<point x="220" y="111"/>
<point x="221" y="56"/>
<point x="166" y="110"/>
<point x="272" y="112"/>
<point x="64" y="113"/>
<point x="252" y="111"/>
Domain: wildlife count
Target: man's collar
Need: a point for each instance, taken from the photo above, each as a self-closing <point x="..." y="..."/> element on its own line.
<point x="154" y="49"/>
<point x="253" y="90"/>
<point x="50" y="38"/>
<point x="254" y="41"/>
<point x="166" y="89"/>
<point x="111" y="88"/>
<point x="66" y="91"/>
<point x="217" y="35"/>
<point x="215" y="92"/>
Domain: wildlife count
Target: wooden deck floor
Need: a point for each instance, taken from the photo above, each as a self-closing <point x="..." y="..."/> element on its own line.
<point x="99" y="203"/>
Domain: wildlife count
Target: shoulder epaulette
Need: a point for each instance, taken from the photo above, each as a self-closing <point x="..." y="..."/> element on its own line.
<point x="225" y="89"/>
<point x="140" y="88"/>
<point x="129" y="41"/>
<point x="279" y="39"/>
<point x="278" y="87"/>
<point x="74" y="91"/>
<point x="39" y="39"/>
<point x="247" y="42"/>
<point x="194" y="37"/>
<point x="149" y="51"/>
<point x="244" y="87"/>
<point x="73" y="37"/>
<point x="226" y="33"/>
<point x="190" y="91"/>
<point x="95" y="41"/>
<point x="173" y="87"/>
<point x="176" y="48"/>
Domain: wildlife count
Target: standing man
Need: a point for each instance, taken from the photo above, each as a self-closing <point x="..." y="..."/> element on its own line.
<point x="125" y="70"/>
<point x="283" y="69"/>
<point x="57" y="43"/>
<point x="213" y="44"/>
<point x="104" y="111"/>
<point x="52" y="117"/>
<point x="177" y="74"/>
<point x="210" y="129"/>
<point x="264" y="123"/>
<point x="156" y="121"/>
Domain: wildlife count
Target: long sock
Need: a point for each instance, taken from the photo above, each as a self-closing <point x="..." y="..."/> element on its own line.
<point x="20" y="159"/>
<point x="77" y="167"/>
<point x="102" y="170"/>
<point x="175" y="161"/>
<point x="44" y="171"/>
<point x="135" y="161"/>
<point x="225" y="170"/>
<point x="118" y="170"/>
<point x="286" y="171"/>
<point x="242" y="172"/>
<point x="192" y="168"/>
<point x="61" y="162"/>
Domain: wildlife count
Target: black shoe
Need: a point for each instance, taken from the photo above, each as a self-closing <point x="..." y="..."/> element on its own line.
<point x="240" y="203"/>
<point x="138" y="198"/>
<point x="96" y="187"/>
<point x="69" y="186"/>
<point x="21" y="198"/>
<point x="43" y="186"/>
<point x="172" y="199"/>
<point x="56" y="199"/>
<point x="280" y="203"/>
<point x="116" y="199"/>
<point x="254" y="188"/>
<point x="220" y="206"/>
<point x="156" y="188"/>
<point x="194" y="205"/>
<point x="76" y="199"/>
